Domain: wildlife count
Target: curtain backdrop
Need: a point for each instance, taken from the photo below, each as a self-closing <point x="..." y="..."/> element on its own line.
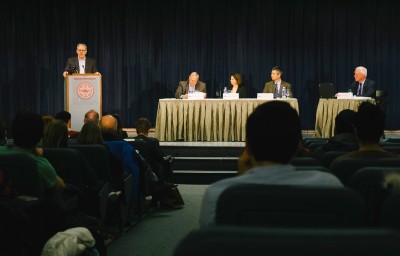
<point x="143" y="49"/>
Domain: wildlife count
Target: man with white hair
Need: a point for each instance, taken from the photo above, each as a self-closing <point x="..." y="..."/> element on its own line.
<point x="362" y="86"/>
<point x="191" y="85"/>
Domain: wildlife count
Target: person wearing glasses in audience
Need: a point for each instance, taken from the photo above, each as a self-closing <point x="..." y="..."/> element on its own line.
<point x="81" y="64"/>
<point x="275" y="86"/>
<point x="236" y="85"/>
<point x="362" y="86"/>
<point x="191" y="85"/>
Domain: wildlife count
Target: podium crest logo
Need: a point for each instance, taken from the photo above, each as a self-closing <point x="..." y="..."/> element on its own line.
<point x="85" y="90"/>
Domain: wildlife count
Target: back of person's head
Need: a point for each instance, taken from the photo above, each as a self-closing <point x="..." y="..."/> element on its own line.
<point x="55" y="134"/>
<point x="369" y="122"/>
<point x="273" y="132"/>
<point x="108" y="125"/>
<point x="90" y="134"/>
<point x="344" y="121"/>
<point x="142" y="126"/>
<point x="92" y="115"/>
<point x="63" y="115"/>
<point x="278" y="70"/>
<point x="27" y="129"/>
<point x="47" y="119"/>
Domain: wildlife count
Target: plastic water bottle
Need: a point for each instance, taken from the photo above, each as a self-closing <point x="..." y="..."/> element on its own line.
<point x="225" y="90"/>
<point x="283" y="92"/>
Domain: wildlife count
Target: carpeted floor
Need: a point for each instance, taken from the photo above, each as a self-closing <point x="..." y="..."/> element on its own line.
<point x="160" y="232"/>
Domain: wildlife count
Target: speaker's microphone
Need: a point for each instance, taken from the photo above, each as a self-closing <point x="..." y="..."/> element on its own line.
<point x="83" y="66"/>
<point x="74" y="70"/>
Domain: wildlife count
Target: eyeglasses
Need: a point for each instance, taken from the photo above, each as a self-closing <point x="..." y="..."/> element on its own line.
<point x="81" y="50"/>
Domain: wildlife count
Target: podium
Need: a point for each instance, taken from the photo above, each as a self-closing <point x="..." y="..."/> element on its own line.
<point x="82" y="92"/>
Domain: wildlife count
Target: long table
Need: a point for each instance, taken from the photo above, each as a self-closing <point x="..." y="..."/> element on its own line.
<point x="206" y="120"/>
<point x="327" y="111"/>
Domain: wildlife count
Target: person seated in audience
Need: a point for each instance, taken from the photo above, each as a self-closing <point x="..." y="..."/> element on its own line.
<point x="155" y="156"/>
<point x="25" y="140"/>
<point x="66" y="117"/>
<point x="122" y="150"/>
<point x="344" y="139"/>
<point x="90" y="134"/>
<point x="369" y="124"/>
<point x="266" y="156"/>
<point x="90" y="115"/>
<point x="121" y="133"/>
<point x="55" y="135"/>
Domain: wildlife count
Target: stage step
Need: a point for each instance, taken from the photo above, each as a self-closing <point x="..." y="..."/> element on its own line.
<point x="203" y="163"/>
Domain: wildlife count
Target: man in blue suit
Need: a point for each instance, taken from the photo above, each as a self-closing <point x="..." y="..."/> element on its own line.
<point x="362" y="86"/>
<point x="81" y="64"/>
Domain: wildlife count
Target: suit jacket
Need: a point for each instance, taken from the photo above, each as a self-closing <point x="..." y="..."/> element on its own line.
<point x="241" y="90"/>
<point x="270" y="88"/>
<point x="368" y="88"/>
<point x="154" y="150"/>
<point x="183" y="88"/>
<point x="90" y="65"/>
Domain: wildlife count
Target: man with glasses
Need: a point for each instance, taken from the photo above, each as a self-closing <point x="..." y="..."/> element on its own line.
<point x="362" y="86"/>
<point x="81" y="64"/>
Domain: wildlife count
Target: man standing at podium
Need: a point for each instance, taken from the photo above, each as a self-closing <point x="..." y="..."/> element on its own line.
<point x="81" y="64"/>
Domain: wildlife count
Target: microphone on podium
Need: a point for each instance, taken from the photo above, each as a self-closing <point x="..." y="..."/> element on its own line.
<point x="74" y="70"/>
<point x="83" y="66"/>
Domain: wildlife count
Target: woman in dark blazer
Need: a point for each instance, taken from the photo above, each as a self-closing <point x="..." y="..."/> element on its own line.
<point x="236" y="85"/>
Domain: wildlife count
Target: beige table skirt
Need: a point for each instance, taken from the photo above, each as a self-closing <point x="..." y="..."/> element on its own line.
<point x="206" y="120"/>
<point x="327" y="111"/>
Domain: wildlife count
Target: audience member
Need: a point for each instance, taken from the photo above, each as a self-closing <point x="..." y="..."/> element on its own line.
<point x="90" y="134"/>
<point x="25" y="140"/>
<point x="362" y="86"/>
<point x="275" y="86"/>
<point x="66" y="117"/>
<point x="344" y="138"/>
<point x="90" y="115"/>
<point x="155" y="157"/>
<point x="236" y="85"/>
<point x="369" y="123"/>
<point x="191" y="85"/>
<point x="121" y="133"/>
<point x="266" y="157"/>
<point x="47" y="119"/>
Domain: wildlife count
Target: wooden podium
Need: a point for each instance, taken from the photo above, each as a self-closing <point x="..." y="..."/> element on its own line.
<point x="82" y="92"/>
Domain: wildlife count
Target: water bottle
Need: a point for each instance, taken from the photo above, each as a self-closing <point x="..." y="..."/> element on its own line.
<point x="283" y="92"/>
<point x="191" y="90"/>
<point x="225" y="90"/>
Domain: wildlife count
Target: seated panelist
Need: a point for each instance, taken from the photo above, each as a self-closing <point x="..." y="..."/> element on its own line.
<point x="236" y="85"/>
<point x="276" y="85"/>
<point x="191" y="85"/>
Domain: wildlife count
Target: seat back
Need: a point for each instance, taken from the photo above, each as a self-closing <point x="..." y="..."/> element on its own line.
<point x="368" y="181"/>
<point x="289" y="206"/>
<point x="67" y="164"/>
<point x="329" y="156"/>
<point x="346" y="167"/>
<point x="98" y="157"/>
<point x="21" y="169"/>
<point x="381" y="99"/>
<point x="391" y="212"/>
<point x="228" y="240"/>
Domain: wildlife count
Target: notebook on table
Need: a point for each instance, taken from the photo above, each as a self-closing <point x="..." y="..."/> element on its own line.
<point x="326" y="90"/>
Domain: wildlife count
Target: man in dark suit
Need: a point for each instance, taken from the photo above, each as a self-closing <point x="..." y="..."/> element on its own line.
<point x="275" y="86"/>
<point x="192" y="83"/>
<point x="362" y="86"/>
<point x="81" y="64"/>
<point x="151" y="150"/>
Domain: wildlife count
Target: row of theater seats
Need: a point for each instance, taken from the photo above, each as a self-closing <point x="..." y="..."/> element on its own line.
<point x="293" y="220"/>
<point x="112" y="216"/>
<point x="362" y="218"/>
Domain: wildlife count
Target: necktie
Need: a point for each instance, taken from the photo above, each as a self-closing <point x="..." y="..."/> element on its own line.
<point x="359" y="92"/>
<point x="276" y="93"/>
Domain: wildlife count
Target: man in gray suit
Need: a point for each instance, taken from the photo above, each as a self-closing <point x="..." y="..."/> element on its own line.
<point x="81" y="64"/>
<point x="275" y="86"/>
<point x="192" y="84"/>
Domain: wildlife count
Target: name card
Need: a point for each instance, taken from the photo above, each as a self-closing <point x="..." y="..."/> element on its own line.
<point x="265" y="96"/>
<point x="196" y="96"/>
<point x="344" y="95"/>
<point x="230" y="96"/>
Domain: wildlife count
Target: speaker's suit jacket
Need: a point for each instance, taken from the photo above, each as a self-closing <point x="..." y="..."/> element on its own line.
<point x="90" y="65"/>
<point x="270" y="88"/>
<point x="368" y="88"/>
<point x="183" y="88"/>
